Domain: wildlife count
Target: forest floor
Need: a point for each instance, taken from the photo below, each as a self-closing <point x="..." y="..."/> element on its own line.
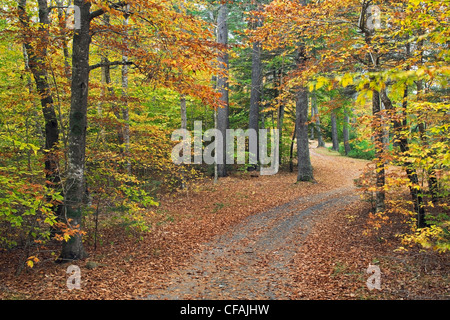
<point x="247" y="237"/>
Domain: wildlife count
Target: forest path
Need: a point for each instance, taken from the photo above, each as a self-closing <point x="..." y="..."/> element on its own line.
<point x="253" y="259"/>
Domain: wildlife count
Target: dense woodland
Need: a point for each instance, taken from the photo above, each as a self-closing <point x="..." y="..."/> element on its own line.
<point x="87" y="113"/>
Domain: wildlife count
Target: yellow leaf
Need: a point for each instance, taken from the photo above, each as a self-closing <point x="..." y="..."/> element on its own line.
<point x="321" y="81"/>
<point x="347" y="80"/>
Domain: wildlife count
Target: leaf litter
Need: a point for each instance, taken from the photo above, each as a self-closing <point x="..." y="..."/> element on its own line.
<point x="247" y="237"/>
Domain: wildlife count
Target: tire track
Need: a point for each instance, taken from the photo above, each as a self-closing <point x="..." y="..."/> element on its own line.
<point x="252" y="260"/>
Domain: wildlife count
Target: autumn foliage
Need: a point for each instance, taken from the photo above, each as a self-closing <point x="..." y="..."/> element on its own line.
<point x="398" y="51"/>
<point x="378" y="70"/>
<point x="138" y="49"/>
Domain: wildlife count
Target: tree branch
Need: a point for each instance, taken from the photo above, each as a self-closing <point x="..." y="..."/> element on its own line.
<point x="109" y="64"/>
<point x="385" y="99"/>
<point x="99" y="12"/>
<point x="96" y="14"/>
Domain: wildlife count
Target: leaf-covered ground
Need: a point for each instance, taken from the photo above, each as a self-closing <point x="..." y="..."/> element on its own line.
<point x="247" y="237"/>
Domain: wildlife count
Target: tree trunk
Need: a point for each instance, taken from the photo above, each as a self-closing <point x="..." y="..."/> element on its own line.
<point x="62" y="19"/>
<point x="416" y="192"/>
<point x="75" y="186"/>
<point x="255" y="95"/>
<point x="281" y="114"/>
<point x="320" y="142"/>
<point x="216" y="167"/>
<point x="114" y="105"/>
<point x="183" y="112"/>
<point x="433" y="185"/>
<point x="414" y="189"/>
<point x="256" y="89"/>
<point x="346" y="133"/>
<point x="431" y="172"/>
<point x="222" y="86"/>
<point x="37" y="123"/>
<point x="305" y="171"/>
<point x="379" y="172"/>
<point x="125" y="111"/>
<point x="313" y="125"/>
<point x="385" y="126"/>
<point x="36" y="63"/>
<point x="291" y="153"/>
<point x="334" y="131"/>
<point x="373" y="62"/>
<point x="280" y="130"/>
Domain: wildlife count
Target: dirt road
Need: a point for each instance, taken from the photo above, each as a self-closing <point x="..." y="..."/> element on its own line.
<point x="252" y="260"/>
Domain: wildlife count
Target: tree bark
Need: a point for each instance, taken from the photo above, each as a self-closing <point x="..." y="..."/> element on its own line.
<point x="75" y="185"/>
<point x="411" y="172"/>
<point x="414" y="189"/>
<point x="62" y="19"/>
<point x="36" y="63"/>
<point x="222" y="86"/>
<point x="280" y="130"/>
<point x="313" y="124"/>
<point x="183" y="112"/>
<point x="433" y="185"/>
<point x="373" y="62"/>
<point x="320" y="142"/>
<point x="291" y="152"/>
<point x="346" y="132"/>
<point x="281" y="112"/>
<point x="125" y="111"/>
<point x="305" y="170"/>
<point x="380" y="169"/>
<point x="256" y="89"/>
<point x="106" y="72"/>
<point x="334" y="131"/>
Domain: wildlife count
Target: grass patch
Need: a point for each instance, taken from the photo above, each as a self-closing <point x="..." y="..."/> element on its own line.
<point x="359" y="150"/>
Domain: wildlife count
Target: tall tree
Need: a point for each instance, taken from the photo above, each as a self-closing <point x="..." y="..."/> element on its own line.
<point x="305" y="170"/>
<point x="380" y="194"/>
<point x="346" y="132"/>
<point x="313" y="126"/>
<point x="320" y="142"/>
<point x="366" y="27"/>
<point x="334" y="131"/>
<point x="37" y="63"/>
<point x="125" y="72"/>
<point x="256" y="83"/>
<point x="75" y="185"/>
<point x="106" y="77"/>
<point x="281" y="108"/>
<point x="223" y="85"/>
